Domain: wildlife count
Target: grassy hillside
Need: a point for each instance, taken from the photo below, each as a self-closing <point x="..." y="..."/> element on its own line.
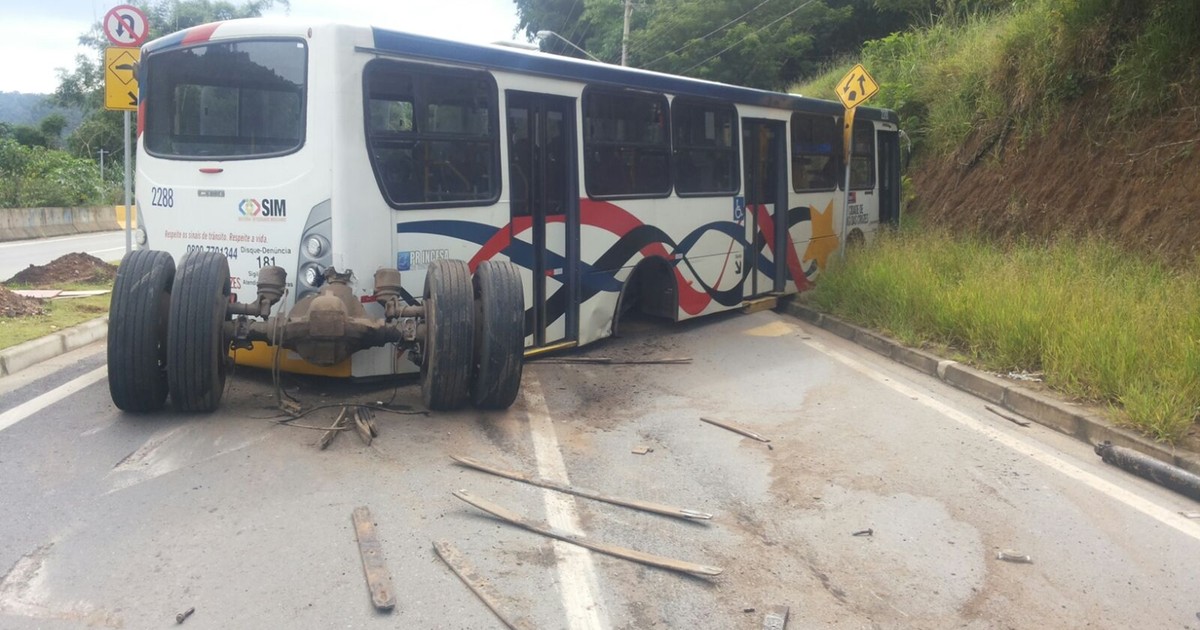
<point x="1015" y="70"/>
<point x="1052" y="210"/>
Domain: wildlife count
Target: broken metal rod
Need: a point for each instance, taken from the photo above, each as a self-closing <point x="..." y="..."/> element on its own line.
<point x="612" y="361"/>
<point x="1011" y="419"/>
<point x="735" y="428"/>
<point x="1163" y="474"/>
<point x="481" y="587"/>
<point x="565" y="536"/>
<point x="379" y="579"/>
<point x="333" y="430"/>
<point x="647" y="506"/>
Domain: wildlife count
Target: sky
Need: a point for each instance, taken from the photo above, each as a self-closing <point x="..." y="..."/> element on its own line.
<point x="38" y="36"/>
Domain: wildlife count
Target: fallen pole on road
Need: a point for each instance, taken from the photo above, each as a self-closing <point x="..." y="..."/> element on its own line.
<point x="646" y="506"/>
<point x="1161" y="473"/>
<point x="481" y="587"/>
<point x="729" y="426"/>
<point x="661" y="562"/>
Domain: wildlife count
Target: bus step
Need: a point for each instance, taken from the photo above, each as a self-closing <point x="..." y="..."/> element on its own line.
<point x="760" y="304"/>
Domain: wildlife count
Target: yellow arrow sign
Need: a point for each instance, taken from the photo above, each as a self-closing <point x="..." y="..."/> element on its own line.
<point x="856" y="87"/>
<point x="120" y="78"/>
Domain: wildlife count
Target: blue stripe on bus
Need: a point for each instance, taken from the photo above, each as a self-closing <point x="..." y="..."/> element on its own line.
<point x="557" y="66"/>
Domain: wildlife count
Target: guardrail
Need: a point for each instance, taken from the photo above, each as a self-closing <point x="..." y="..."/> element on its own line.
<point x="26" y="223"/>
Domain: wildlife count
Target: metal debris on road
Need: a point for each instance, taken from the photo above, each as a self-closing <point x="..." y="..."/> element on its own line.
<point x="1011" y="419"/>
<point x="481" y="587"/>
<point x="641" y="449"/>
<point x="338" y="426"/>
<point x="182" y="617"/>
<point x="1008" y="555"/>
<point x="735" y="428"/>
<point x="612" y="550"/>
<point x="363" y="423"/>
<point x="612" y="361"/>
<point x="379" y="579"/>
<point x="776" y="618"/>
<point x="1190" y="514"/>
<point x="542" y="482"/>
<point x="865" y="532"/>
<point x="1147" y="467"/>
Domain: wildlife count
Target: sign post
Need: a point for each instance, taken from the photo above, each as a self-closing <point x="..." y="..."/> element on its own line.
<point x="126" y="27"/>
<point x="853" y="90"/>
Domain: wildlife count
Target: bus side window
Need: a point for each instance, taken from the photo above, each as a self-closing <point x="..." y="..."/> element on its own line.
<point x="626" y="144"/>
<point x="862" y="157"/>
<point x="815" y="150"/>
<point x="432" y="133"/>
<point x="705" y="147"/>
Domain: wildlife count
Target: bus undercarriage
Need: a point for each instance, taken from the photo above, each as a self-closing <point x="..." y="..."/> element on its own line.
<point x="171" y="330"/>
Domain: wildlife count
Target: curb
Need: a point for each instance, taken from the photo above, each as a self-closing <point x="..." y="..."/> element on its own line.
<point x="21" y="356"/>
<point x="1071" y="419"/>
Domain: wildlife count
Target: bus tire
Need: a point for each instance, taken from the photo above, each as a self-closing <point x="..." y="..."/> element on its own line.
<point x="449" y="335"/>
<point x="137" y="331"/>
<point x="500" y="335"/>
<point x="197" y="349"/>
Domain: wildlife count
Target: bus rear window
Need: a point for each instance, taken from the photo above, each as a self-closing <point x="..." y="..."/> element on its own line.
<point x="226" y="100"/>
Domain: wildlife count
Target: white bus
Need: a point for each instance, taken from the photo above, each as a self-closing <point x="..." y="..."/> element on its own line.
<point x="355" y="201"/>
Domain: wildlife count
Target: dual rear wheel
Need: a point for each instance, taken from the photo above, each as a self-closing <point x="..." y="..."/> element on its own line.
<point x="166" y="331"/>
<point x="474" y="335"/>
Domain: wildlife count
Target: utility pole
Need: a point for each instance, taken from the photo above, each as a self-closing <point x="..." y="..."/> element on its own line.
<point x="625" y="35"/>
<point x="102" y="152"/>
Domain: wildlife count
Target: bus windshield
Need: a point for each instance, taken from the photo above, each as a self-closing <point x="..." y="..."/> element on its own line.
<point x="226" y="100"/>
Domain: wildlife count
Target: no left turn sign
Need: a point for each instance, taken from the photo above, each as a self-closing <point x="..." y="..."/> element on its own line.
<point x="126" y="26"/>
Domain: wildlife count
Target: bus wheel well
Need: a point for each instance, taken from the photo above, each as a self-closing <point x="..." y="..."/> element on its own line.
<point x="649" y="290"/>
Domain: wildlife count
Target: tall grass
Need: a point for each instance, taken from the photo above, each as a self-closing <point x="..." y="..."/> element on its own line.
<point x="1101" y="324"/>
<point x="984" y="72"/>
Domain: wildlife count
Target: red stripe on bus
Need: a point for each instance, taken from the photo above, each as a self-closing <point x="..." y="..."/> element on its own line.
<point x="199" y="34"/>
<point x="766" y="225"/>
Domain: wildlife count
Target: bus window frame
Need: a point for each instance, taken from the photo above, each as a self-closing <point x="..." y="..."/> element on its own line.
<point x="835" y="147"/>
<point x="865" y="127"/>
<point x="145" y="79"/>
<point x="494" y="136"/>
<point x="588" y="92"/>
<point x="735" y="148"/>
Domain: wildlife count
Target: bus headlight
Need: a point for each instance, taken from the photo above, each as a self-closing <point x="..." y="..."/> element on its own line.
<point x="314" y="246"/>
<point x="311" y="275"/>
<point x="139" y="236"/>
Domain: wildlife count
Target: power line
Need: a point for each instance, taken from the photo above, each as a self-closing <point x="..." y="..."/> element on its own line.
<point x="754" y="32"/>
<point x="710" y="34"/>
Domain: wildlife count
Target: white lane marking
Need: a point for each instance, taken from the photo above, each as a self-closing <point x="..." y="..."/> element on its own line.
<point x="59" y="239"/>
<point x="576" y="572"/>
<point x="110" y="249"/>
<point x="30" y="407"/>
<point x="1025" y="446"/>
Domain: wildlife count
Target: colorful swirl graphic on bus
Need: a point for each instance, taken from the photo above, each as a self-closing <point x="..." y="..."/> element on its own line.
<point x="635" y="237"/>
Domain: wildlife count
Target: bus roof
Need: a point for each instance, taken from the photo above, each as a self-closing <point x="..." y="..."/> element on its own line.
<point x="499" y="57"/>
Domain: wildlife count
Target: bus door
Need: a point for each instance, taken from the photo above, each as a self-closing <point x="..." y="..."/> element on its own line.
<point x="889" y="177"/>
<point x="764" y="163"/>
<point x="545" y="210"/>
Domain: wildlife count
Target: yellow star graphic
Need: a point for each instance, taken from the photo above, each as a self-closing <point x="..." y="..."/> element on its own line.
<point x="824" y="240"/>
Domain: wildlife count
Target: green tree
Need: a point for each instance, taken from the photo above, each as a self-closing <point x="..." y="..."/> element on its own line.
<point x="760" y="43"/>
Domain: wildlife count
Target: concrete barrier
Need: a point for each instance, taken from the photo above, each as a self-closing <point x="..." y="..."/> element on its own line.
<point x="25" y="223"/>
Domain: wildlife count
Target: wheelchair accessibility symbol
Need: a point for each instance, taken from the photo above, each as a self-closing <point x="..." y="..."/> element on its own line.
<point x="739" y="209"/>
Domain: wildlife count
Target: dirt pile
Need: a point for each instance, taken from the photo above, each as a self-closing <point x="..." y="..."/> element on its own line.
<point x="69" y="269"/>
<point x="1134" y="185"/>
<point x="13" y="305"/>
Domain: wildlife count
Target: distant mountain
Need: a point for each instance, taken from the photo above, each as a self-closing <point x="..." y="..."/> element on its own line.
<point x="18" y="108"/>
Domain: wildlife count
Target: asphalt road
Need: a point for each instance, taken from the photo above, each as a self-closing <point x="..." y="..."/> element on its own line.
<point x="17" y="255"/>
<point x="124" y="521"/>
